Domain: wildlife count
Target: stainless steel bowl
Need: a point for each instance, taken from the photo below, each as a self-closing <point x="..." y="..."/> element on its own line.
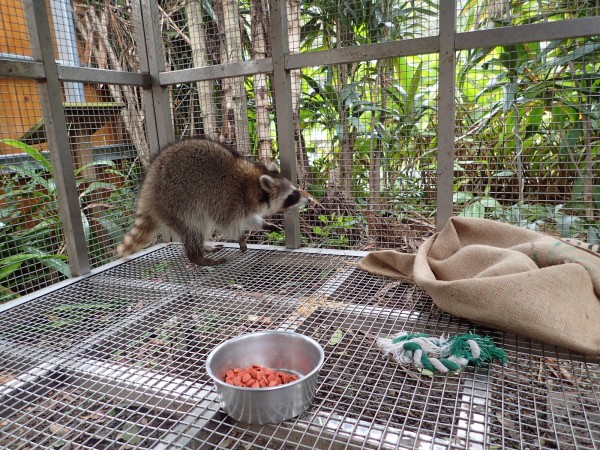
<point x="279" y="350"/>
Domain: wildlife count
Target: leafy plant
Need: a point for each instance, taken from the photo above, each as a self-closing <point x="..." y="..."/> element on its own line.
<point x="32" y="247"/>
<point x="538" y="217"/>
<point x="334" y="229"/>
<point x="275" y="237"/>
<point x="531" y="110"/>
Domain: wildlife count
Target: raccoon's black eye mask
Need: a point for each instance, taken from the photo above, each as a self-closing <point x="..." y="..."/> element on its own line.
<point x="292" y="199"/>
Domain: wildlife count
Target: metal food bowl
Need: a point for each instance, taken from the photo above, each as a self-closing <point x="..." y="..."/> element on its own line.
<point x="278" y="350"/>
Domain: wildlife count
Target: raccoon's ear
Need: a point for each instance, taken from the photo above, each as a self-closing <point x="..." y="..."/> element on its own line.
<point x="267" y="183"/>
<point x="272" y="167"/>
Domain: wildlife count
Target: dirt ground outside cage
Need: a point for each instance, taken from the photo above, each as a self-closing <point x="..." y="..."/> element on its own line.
<point x="394" y="115"/>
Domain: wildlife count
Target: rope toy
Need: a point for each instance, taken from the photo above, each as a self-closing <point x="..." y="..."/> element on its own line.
<point x="441" y="354"/>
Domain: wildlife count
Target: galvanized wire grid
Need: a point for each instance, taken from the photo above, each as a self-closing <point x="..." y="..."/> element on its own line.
<point x="542" y="114"/>
<point x="237" y="111"/>
<point x="27" y="196"/>
<point x="117" y="359"/>
<point x="100" y="35"/>
<point x="329" y="25"/>
<point x="108" y="141"/>
<point x="500" y="13"/>
<point x="197" y="34"/>
<point x="366" y="150"/>
<point x="15" y="45"/>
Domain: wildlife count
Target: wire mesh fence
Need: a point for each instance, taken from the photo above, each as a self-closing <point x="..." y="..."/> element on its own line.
<point x="100" y="34"/>
<point x="15" y="42"/>
<point x="31" y="253"/>
<point x="488" y="14"/>
<point x="105" y="131"/>
<point x="107" y="141"/>
<point x="525" y="118"/>
<point x="367" y="152"/>
<point x="329" y="25"/>
<point x="364" y="131"/>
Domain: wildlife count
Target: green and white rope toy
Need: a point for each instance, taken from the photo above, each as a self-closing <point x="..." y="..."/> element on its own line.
<point x="441" y="354"/>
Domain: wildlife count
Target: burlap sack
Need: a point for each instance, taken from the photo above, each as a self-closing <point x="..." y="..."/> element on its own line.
<point x="508" y="278"/>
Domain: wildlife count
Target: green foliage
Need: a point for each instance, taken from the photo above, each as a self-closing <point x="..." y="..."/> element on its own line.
<point x="32" y="246"/>
<point x="549" y="218"/>
<point x="528" y="114"/>
<point x="275" y="238"/>
<point x="531" y="115"/>
<point x="333" y="230"/>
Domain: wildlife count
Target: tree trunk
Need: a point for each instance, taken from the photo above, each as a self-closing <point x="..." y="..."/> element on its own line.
<point x="588" y="172"/>
<point x="304" y="175"/>
<point x="260" y="41"/>
<point x="589" y="160"/>
<point x="235" y="112"/>
<point x="197" y="30"/>
<point x="382" y="84"/>
<point x="347" y="137"/>
<point x="94" y="29"/>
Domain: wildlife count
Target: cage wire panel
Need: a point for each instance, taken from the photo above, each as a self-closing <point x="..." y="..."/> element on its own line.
<point x="387" y="112"/>
<point x="526" y="152"/>
<point x="366" y="120"/>
<point x="117" y="360"/>
<point x="27" y="198"/>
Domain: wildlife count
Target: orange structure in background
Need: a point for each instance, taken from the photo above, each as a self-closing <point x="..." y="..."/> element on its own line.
<point x="20" y="103"/>
<point x="93" y="123"/>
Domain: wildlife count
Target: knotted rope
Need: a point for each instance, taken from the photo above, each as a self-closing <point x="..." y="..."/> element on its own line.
<point x="441" y="354"/>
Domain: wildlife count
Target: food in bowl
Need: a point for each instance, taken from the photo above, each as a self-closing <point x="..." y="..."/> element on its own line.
<point x="284" y="351"/>
<point x="256" y="376"/>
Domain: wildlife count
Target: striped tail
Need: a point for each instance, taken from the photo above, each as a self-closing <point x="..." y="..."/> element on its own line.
<point x="141" y="233"/>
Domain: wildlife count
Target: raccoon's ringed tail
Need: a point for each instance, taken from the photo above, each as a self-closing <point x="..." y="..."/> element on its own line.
<point x="140" y="234"/>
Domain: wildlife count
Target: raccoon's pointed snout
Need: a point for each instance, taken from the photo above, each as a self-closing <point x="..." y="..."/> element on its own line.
<point x="308" y="199"/>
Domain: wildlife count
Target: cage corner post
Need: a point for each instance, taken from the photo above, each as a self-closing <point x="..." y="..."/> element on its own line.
<point x="57" y="134"/>
<point x="157" y="105"/>
<point x="284" y="113"/>
<point x="446" y="113"/>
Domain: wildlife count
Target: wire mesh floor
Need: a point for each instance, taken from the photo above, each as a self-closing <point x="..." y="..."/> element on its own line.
<point x="116" y="360"/>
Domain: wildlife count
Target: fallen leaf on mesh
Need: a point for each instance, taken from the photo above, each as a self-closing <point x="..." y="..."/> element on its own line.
<point x="55" y="428"/>
<point x="259" y="319"/>
<point x="6" y="377"/>
<point x="98" y="416"/>
<point x="558" y="371"/>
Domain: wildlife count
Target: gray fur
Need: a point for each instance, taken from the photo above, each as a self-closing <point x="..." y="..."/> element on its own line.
<point x="197" y="185"/>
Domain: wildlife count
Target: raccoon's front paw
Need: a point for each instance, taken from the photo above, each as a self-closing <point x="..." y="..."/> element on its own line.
<point x="243" y="246"/>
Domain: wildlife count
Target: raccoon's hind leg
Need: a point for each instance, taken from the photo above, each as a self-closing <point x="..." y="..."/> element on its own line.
<point x="194" y="249"/>
<point x="193" y="243"/>
<point x="140" y="234"/>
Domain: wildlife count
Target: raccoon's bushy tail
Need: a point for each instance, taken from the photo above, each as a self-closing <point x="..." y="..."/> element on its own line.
<point x="140" y="234"/>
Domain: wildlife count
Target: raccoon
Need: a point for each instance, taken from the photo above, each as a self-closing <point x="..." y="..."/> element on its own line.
<point x="198" y="185"/>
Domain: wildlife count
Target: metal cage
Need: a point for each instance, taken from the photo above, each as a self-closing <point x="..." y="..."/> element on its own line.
<point x="396" y="115"/>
